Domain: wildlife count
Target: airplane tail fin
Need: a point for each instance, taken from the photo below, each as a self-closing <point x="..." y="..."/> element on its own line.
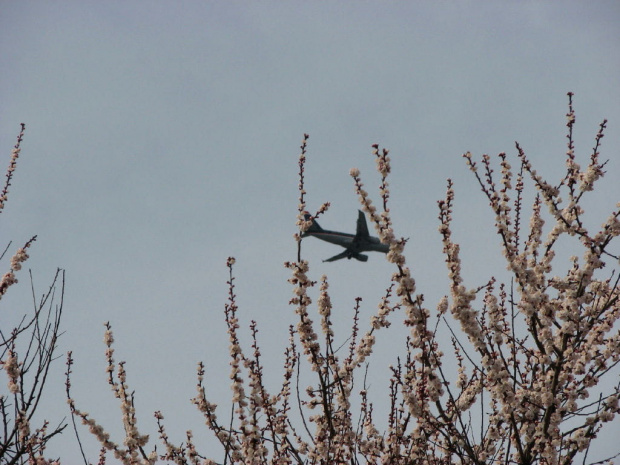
<point x="315" y="226"/>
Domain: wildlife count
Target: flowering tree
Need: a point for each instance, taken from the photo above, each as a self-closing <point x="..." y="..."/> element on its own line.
<point x="534" y="353"/>
<point x="26" y="354"/>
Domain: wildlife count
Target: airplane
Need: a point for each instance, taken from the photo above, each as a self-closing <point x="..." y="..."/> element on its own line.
<point x="361" y="241"/>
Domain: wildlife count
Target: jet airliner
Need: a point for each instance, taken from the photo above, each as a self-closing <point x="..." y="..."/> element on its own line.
<point x="361" y="241"/>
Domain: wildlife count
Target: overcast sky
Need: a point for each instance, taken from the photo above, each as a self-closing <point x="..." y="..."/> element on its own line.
<point x="162" y="137"/>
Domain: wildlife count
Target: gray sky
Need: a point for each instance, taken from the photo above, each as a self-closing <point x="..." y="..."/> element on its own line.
<point x="163" y="137"/>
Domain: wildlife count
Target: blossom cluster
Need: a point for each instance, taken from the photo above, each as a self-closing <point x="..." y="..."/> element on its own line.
<point x="9" y="278"/>
<point x="27" y="351"/>
<point x="515" y="383"/>
<point x="132" y="451"/>
<point x="11" y="169"/>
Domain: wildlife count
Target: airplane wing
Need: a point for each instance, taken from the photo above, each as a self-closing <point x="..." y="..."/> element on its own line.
<point x="344" y="254"/>
<point x="362" y="227"/>
<point x="348" y="254"/>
